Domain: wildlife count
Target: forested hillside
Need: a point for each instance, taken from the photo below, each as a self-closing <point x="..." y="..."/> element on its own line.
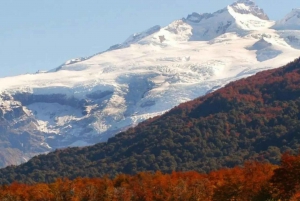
<point x="256" y="118"/>
<point x="252" y="182"/>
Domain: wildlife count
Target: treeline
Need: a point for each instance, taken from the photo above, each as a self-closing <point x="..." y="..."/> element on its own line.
<point x="252" y="182"/>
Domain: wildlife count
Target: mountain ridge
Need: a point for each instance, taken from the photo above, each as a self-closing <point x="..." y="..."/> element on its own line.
<point x="255" y="118"/>
<point x="87" y="100"/>
<point x="291" y="21"/>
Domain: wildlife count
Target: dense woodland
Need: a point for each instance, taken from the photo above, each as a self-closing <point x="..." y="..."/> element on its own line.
<point x="252" y="182"/>
<point x="256" y="118"/>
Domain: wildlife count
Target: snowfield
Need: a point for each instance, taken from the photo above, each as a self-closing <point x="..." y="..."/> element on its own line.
<point x="88" y="100"/>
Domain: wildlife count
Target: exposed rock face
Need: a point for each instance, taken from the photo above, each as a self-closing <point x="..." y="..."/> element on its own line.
<point x="20" y="131"/>
<point x="148" y="103"/>
<point x="252" y="8"/>
<point x="20" y="138"/>
<point x="87" y="100"/>
<point x="99" y="94"/>
<point x="196" y="17"/>
<point x="32" y="124"/>
<point x="62" y="99"/>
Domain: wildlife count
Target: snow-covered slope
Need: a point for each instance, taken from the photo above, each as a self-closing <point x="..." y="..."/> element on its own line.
<point x="241" y="17"/>
<point x="87" y="100"/>
<point x="290" y="21"/>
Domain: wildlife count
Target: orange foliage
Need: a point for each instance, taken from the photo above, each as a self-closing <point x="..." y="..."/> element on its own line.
<point x="254" y="181"/>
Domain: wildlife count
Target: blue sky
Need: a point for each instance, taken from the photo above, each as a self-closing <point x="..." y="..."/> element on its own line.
<point x="42" y="34"/>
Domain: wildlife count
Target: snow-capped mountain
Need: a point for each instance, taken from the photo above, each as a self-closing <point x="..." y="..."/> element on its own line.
<point x="290" y="21"/>
<point x="87" y="100"/>
<point x="240" y="17"/>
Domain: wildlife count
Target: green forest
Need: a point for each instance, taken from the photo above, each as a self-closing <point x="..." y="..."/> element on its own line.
<point x="255" y="119"/>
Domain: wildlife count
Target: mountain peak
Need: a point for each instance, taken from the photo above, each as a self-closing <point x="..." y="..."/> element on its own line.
<point x="290" y="22"/>
<point x="249" y="7"/>
<point x="240" y="17"/>
<point x="248" y="2"/>
<point x="240" y="6"/>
